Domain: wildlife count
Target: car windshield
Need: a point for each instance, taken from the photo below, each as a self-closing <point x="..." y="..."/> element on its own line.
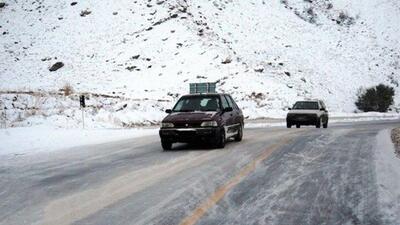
<point x="197" y="103"/>
<point x="306" y="105"/>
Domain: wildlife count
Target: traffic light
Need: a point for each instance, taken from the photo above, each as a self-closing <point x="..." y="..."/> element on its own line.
<point x="82" y="101"/>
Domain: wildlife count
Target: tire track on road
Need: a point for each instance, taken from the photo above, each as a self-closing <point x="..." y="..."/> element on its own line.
<point x="82" y="204"/>
<point x="215" y="197"/>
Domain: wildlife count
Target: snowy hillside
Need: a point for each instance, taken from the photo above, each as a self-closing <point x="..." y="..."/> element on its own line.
<point x="137" y="57"/>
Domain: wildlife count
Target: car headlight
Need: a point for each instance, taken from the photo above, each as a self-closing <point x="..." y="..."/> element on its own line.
<point x="211" y="123"/>
<point x="167" y="125"/>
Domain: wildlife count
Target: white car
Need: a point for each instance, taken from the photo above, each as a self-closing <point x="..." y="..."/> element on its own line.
<point x="311" y="112"/>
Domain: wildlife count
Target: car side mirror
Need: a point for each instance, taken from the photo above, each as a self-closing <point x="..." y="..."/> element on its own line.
<point x="228" y="109"/>
<point x="322" y="109"/>
<point x="169" y="111"/>
<point x="289" y="108"/>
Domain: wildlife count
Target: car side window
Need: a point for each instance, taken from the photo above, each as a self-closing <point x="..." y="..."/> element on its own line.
<point x="322" y="104"/>
<point x="224" y="102"/>
<point x="233" y="102"/>
<point x="179" y="105"/>
<point x="230" y="101"/>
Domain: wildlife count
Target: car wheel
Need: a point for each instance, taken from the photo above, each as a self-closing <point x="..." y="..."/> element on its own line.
<point x="239" y="135"/>
<point x="288" y="125"/>
<point x="318" y="125"/>
<point x="166" y="145"/>
<point x="325" y="125"/>
<point x="297" y="125"/>
<point x="221" y="139"/>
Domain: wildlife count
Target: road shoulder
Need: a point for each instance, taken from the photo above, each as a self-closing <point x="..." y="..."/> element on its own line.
<point x="388" y="178"/>
<point x="44" y="139"/>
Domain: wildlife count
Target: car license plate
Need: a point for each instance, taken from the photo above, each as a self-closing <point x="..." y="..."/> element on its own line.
<point x="187" y="133"/>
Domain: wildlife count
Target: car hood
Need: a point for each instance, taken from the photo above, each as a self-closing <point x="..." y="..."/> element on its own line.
<point x="303" y="111"/>
<point x="189" y="116"/>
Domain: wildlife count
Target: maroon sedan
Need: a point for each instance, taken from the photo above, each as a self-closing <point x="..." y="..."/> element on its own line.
<point x="212" y="118"/>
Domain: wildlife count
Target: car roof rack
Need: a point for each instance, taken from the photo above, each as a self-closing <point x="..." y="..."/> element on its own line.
<point x="203" y="88"/>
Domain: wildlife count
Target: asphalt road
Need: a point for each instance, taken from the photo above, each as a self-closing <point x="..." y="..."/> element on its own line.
<point x="274" y="176"/>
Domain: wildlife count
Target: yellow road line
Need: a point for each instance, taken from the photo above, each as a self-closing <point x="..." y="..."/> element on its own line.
<point x="221" y="191"/>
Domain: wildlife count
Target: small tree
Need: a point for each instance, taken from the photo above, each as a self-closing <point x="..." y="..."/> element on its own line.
<point x="377" y="98"/>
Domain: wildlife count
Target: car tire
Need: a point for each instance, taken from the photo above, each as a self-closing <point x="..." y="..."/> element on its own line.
<point x="221" y="140"/>
<point x="297" y="125"/>
<point x="239" y="135"/>
<point x="325" y="125"/>
<point x="318" y="125"/>
<point x="288" y="125"/>
<point x="166" y="145"/>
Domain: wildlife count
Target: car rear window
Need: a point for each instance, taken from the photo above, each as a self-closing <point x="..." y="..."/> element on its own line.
<point x="306" y="105"/>
<point x="197" y="103"/>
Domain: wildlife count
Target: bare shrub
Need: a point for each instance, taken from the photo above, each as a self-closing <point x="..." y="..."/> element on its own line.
<point x="67" y="89"/>
<point x="307" y="15"/>
<point x="344" y="19"/>
<point x="311" y="15"/>
<point x="37" y="106"/>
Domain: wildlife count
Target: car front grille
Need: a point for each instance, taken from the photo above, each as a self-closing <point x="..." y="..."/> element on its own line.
<point x="187" y="124"/>
<point x="303" y="116"/>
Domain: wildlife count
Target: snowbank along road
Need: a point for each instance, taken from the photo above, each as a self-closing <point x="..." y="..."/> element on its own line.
<point x="341" y="175"/>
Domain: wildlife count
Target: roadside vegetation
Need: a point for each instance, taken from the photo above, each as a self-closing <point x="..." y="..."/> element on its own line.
<point x="377" y="99"/>
<point x="396" y="140"/>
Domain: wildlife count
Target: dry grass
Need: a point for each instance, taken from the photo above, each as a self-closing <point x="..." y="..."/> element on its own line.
<point x="67" y="90"/>
<point x="396" y="139"/>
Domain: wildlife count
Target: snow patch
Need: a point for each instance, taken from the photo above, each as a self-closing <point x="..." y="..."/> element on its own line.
<point x="388" y="178"/>
<point x="333" y="119"/>
<point x="30" y="140"/>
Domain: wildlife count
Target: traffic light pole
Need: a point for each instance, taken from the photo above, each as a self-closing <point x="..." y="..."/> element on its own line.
<point x="83" y="118"/>
<point x="3" y="115"/>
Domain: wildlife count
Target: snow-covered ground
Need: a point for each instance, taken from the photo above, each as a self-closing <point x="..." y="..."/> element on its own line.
<point x="333" y="118"/>
<point x="31" y="140"/>
<point x="144" y="54"/>
<point x="388" y="177"/>
<point x="41" y="138"/>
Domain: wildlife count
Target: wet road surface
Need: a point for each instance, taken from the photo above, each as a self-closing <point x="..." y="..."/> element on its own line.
<point x="274" y="176"/>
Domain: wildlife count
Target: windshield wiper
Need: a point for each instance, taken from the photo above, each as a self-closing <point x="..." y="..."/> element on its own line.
<point x="186" y="110"/>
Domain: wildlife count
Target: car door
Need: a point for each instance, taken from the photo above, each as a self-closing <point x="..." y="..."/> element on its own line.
<point x="237" y="113"/>
<point x="227" y="117"/>
<point x="324" y="115"/>
<point x="233" y="115"/>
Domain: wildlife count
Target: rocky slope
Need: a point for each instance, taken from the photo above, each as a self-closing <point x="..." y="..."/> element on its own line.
<point x="144" y="54"/>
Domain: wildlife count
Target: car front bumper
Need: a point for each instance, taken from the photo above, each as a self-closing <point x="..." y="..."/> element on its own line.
<point x="302" y="119"/>
<point x="185" y="135"/>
